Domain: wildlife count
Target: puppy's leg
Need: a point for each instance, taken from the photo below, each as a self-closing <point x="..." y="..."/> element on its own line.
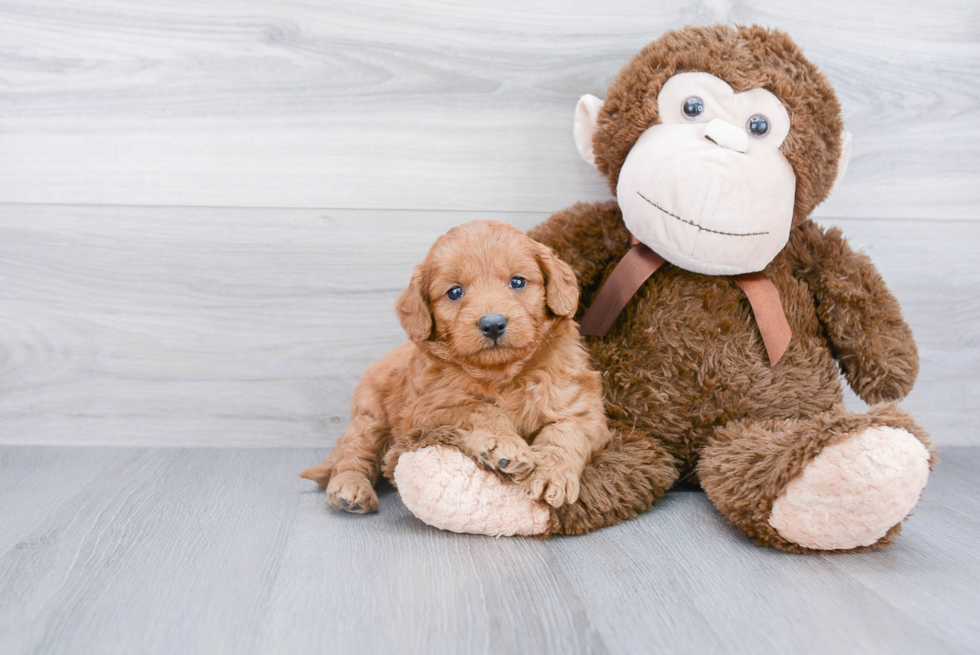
<point x="563" y="448"/>
<point x="351" y="471"/>
<point x="507" y="453"/>
<point x="358" y="466"/>
<point x="561" y="452"/>
<point x="494" y="442"/>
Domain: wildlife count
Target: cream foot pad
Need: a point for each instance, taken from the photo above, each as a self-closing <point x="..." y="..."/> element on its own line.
<point x="447" y="490"/>
<point x="854" y="491"/>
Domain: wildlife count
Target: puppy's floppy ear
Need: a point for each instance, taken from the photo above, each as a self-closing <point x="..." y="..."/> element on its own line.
<point x="560" y="285"/>
<point x="413" y="308"/>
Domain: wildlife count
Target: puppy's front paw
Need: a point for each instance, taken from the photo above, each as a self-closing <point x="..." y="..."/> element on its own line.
<point x="352" y="492"/>
<point x="508" y="453"/>
<point x="554" y="479"/>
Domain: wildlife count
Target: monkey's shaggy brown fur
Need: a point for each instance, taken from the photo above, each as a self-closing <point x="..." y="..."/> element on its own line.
<point x="689" y="389"/>
<point x="692" y="393"/>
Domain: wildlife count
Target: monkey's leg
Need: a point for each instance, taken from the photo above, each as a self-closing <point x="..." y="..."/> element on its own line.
<point x="352" y="469"/>
<point x="445" y="488"/>
<point x="832" y="482"/>
<point x="622" y="480"/>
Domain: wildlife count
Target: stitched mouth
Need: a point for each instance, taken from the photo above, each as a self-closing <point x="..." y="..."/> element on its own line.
<point x="701" y="228"/>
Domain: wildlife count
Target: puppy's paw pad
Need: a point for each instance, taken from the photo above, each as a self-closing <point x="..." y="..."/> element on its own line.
<point x="353" y="493"/>
<point x="552" y="480"/>
<point x="562" y="490"/>
<point x="510" y="455"/>
<point x="554" y="488"/>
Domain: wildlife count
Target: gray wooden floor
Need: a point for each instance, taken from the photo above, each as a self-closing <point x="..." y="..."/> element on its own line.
<point x="138" y="550"/>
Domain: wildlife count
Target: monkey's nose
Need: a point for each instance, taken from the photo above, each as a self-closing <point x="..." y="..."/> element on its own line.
<point x="492" y="325"/>
<point x="726" y="135"/>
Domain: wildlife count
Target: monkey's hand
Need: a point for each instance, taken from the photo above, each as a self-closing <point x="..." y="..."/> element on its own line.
<point x="862" y="319"/>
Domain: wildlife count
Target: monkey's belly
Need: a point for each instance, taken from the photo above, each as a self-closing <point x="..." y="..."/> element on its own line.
<point x="686" y="356"/>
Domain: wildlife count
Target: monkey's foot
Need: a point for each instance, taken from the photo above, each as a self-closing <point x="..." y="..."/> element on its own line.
<point x="854" y="491"/>
<point x="446" y="489"/>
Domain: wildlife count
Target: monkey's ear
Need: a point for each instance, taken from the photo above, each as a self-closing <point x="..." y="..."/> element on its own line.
<point x="560" y="285"/>
<point x="845" y="158"/>
<point x="586" y="116"/>
<point x="412" y="306"/>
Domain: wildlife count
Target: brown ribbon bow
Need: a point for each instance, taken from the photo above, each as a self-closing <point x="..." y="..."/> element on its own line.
<point x="640" y="263"/>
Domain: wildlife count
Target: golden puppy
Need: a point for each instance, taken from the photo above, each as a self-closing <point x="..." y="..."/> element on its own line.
<point x="494" y="367"/>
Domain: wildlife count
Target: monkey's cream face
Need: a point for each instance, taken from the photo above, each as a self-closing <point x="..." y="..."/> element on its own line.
<point x="708" y="188"/>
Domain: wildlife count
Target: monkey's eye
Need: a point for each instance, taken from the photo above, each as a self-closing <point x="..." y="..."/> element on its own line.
<point x="758" y="125"/>
<point x="517" y="282"/>
<point x="455" y="293"/>
<point x="693" y="107"/>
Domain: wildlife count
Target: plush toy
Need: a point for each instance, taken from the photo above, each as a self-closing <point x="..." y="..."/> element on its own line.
<point x="720" y="315"/>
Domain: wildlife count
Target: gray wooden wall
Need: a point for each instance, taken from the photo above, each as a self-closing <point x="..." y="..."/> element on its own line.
<point x="207" y="209"/>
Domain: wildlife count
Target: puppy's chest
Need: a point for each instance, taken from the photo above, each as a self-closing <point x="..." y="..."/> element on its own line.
<point x="532" y="403"/>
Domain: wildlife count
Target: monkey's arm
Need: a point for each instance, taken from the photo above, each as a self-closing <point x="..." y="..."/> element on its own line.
<point x="587" y="237"/>
<point x="862" y="319"/>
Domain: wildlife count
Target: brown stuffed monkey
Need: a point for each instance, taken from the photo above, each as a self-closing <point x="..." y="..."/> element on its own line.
<point x="720" y="314"/>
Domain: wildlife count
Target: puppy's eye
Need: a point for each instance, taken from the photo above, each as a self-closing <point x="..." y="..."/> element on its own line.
<point x="517" y="282"/>
<point x="455" y="293"/>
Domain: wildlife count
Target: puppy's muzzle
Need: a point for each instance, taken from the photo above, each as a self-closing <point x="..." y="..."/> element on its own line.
<point x="492" y="326"/>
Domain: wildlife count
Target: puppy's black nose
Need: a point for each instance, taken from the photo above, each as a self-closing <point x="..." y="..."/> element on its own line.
<point x="492" y="325"/>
